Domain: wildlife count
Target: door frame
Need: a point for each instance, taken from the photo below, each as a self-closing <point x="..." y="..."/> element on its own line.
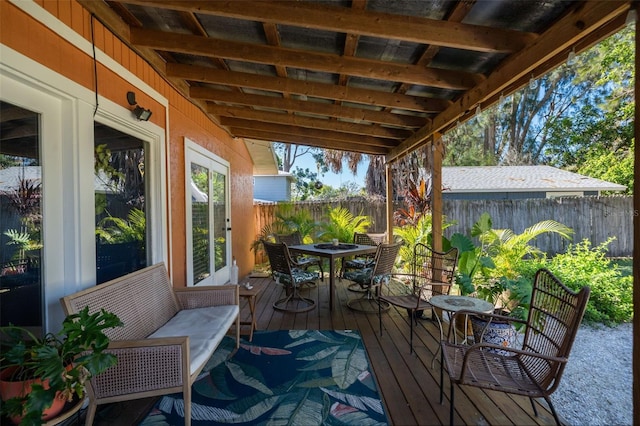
<point x="214" y="163"/>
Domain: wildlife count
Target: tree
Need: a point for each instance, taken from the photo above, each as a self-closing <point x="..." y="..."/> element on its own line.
<point x="288" y="154"/>
<point x="569" y="118"/>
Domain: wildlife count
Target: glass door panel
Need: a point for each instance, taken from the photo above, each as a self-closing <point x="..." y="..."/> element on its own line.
<point x="208" y="223"/>
<point x="120" y="204"/>
<point x="21" y="295"/>
<point x="220" y="220"/>
<point x="200" y="224"/>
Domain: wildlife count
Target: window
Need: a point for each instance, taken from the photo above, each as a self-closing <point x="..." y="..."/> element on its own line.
<point x="120" y="205"/>
<point x="20" y="217"/>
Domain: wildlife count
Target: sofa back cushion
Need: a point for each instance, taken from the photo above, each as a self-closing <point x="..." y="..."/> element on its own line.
<point x="143" y="300"/>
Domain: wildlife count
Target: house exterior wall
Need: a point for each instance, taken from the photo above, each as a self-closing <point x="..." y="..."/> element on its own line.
<point x="50" y="32"/>
<point x="272" y="188"/>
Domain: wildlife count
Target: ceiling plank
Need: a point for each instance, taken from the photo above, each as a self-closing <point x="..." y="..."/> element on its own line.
<point x="310" y="141"/>
<point x="360" y="22"/>
<point x="238" y="123"/>
<point x="300" y="87"/>
<point x="308" y="107"/>
<point x="325" y="62"/>
<point x="296" y="120"/>
<point x="554" y="43"/>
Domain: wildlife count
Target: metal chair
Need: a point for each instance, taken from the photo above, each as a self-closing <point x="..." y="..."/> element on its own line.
<point x="535" y="369"/>
<point x="304" y="261"/>
<point x="432" y="273"/>
<point x="287" y="272"/>
<point x="370" y="278"/>
<point x="364" y="260"/>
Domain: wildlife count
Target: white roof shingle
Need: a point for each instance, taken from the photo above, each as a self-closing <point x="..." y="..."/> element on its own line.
<point x="520" y="179"/>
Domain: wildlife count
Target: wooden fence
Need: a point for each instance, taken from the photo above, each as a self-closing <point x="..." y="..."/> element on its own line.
<point x="593" y="218"/>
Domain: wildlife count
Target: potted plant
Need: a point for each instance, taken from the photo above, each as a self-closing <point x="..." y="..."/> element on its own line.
<point x="54" y="368"/>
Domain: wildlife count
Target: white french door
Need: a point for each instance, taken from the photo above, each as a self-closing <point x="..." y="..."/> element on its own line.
<point x="208" y="217"/>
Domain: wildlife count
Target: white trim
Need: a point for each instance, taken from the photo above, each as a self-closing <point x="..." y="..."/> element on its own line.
<point x="67" y="110"/>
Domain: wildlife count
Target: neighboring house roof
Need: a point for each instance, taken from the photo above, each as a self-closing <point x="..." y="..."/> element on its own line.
<point x="520" y="179"/>
<point x="280" y="173"/>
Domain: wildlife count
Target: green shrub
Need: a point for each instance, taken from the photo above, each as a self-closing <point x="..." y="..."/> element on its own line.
<point x="611" y="298"/>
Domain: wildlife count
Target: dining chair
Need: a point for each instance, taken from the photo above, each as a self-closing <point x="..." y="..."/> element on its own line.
<point x="304" y="261"/>
<point x="286" y="271"/>
<point x="370" y="278"/>
<point x="534" y="369"/>
<point x="431" y="273"/>
<point x="363" y="260"/>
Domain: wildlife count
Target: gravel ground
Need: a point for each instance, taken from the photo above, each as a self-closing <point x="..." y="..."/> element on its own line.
<point x="597" y="383"/>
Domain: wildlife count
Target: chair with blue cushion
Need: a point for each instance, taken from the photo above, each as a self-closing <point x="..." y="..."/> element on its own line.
<point x="362" y="261"/>
<point x="304" y="261"/>
<point x="286" y="271"/>
<point x="370" y="278"/>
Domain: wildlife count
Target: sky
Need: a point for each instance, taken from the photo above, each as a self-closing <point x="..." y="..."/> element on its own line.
<point x="332" y="179"/>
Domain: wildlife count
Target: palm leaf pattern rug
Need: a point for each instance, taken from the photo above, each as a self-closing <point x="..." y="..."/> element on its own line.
<point x="296" y="377"/>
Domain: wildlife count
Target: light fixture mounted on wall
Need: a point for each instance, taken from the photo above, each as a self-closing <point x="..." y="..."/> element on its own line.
<point x="142" y="114"/>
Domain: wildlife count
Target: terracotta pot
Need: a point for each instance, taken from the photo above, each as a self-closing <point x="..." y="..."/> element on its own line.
<point x="10" y="389"/>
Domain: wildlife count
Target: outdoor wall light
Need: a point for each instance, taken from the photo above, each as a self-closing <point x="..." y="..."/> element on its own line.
<point x="142" y="114"/>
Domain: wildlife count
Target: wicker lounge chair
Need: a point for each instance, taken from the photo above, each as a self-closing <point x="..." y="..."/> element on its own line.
<point x="535" y="369"/>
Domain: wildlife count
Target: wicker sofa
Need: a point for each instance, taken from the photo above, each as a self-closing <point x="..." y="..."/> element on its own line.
<point x="168" y="334"/>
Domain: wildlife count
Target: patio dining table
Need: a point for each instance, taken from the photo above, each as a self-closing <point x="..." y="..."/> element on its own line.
<point x="332" y="252"/>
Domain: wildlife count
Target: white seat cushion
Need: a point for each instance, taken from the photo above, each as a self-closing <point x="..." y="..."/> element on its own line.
<point x="205" y="327"/>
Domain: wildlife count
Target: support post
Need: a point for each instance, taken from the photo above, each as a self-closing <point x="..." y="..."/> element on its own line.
<point x="437" y="152"/>
<point x="389" y="178"/>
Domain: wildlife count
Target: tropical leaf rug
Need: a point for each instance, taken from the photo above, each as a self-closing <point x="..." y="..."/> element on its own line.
<point x="298" y="377"/>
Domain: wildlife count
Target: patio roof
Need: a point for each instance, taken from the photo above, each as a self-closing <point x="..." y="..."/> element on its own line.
<point x="369" y="76"/>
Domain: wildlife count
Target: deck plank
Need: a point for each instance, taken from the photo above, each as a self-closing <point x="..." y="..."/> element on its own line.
<point x="408" y="385"/>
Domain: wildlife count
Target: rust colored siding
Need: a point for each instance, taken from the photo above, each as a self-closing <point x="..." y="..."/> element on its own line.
<point x="185" y="120"/>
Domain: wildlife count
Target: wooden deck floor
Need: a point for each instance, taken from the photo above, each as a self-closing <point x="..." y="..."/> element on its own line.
<point x="408" y="384"/>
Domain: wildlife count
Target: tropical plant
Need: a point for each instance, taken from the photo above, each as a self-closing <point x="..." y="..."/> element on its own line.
<point x="342" y="224"/>
<point x="491" y="270"/>
<point x="24" y="240"/>
<point x="299" y="220"/>
<point x="419" y="232"/>
<point x="113" y="229"/>
<point x="66" y="360"/>
<point x="417" y="199"/>
<point x="288" y="219"/>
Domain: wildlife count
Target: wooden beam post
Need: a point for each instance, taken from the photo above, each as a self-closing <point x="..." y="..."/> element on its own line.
<point x="389" y="177"/>
<point x="437" y="152"/>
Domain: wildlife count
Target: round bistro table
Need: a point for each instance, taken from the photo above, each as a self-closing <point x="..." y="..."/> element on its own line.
<point x="454" y="303"/>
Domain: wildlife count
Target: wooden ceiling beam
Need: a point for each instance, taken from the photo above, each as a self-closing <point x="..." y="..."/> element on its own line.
<point x="224" y="112"/>
<point x="309" y="107"/>
<point x="556" y="42"/>
<point x="310" y="141"/>
<point x="332" y="135"/>
<point x="359" y="22"/>
<point x="306" y="88"/>
<point x="324" y="62"/>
